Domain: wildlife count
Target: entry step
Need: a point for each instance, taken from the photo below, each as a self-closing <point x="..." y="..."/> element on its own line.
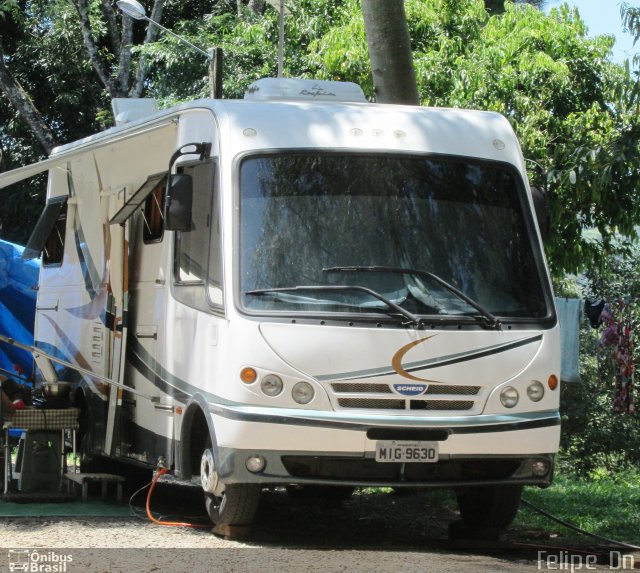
<point x="84" y="479"/>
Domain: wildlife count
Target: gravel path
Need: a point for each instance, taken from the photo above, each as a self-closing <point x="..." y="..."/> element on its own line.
<point x="370" y="533"/>
<point x="126" y="545"/>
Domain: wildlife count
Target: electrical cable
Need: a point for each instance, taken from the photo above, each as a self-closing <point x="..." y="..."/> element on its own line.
<point x="161" y="472"/>
<point x="569" y="525"/>
<point x="132" y="509"/>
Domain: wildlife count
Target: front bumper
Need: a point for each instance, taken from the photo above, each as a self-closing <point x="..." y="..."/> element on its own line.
<point x="331" y="469"/>
<point x="302" y="446"/>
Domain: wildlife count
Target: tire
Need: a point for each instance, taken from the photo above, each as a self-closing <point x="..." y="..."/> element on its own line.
<point x="237" y="505"/>
<point x="489" y="506"/>
<point x="233" y="504"/>
<point x="330" y="495"/>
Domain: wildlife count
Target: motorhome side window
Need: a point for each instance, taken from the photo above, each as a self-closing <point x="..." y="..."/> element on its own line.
<point x="48" y="236"/>
<point x="198" y="258"/>
<point x="154" y="214"/>
<point x="53" y="250"/>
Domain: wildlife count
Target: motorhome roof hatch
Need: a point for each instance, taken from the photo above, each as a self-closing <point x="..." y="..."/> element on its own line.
<point x="128" y="109"/>
<point x="304" y="90"/>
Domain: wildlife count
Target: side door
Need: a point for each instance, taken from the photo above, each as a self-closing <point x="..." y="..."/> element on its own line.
<point x="146" y="429"/>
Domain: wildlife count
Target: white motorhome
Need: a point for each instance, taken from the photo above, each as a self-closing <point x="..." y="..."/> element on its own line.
<point x="324" y="293"/>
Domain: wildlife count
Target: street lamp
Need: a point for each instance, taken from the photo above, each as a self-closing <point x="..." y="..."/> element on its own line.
<point x="136" y="11"/>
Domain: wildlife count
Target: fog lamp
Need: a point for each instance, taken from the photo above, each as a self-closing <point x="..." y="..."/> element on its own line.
<point x="540" y="468"/>
<point x="302" y="393"/>
<point x="509" y="397"/>
<point x="255" y="463"/>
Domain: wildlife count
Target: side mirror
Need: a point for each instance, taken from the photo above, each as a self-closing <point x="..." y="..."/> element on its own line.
<point x="177" y="213"/>
<point x="542" y="211"/>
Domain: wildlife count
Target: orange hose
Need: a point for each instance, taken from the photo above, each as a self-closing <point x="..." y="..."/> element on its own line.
<point x="163" y="471"/>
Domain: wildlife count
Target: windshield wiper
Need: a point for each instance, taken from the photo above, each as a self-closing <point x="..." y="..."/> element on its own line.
<point x="490" y="320"/>
<point x="412" y="318"/>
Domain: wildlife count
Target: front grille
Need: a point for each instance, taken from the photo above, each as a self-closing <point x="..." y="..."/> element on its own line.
<point x="372" y="403"/>
<point x="352" y="388"/>
<point x="381" y="396"/>
<point x="368" y="470"/>
<point x="441" y="404"/>
<point x="454" y="390"/>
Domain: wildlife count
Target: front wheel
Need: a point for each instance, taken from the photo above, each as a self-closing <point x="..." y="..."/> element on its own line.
<point x="233" y="504"/>
<point x="493" y="506"/>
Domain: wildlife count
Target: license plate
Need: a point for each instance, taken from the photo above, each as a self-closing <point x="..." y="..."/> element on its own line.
<point x="407" y="452"/>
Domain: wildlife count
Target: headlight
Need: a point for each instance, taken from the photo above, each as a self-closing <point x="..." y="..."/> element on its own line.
<point x="535" y="391"/>
<point x="302" y="393"/>
<point x="509" y="397"/>
<point x="271" y="385"/>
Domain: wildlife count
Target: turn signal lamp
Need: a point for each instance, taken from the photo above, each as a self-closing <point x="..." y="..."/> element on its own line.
<point x="553" y="382"/>
<point x="248" y="375"/>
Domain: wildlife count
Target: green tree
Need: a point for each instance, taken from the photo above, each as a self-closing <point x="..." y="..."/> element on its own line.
<point x="43" y="53"/>
<point x="498" y="6"/>
<point x="54" y="92"/>
<point x="570" y="105"/>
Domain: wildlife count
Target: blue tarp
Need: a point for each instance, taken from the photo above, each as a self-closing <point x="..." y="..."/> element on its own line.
<point x="18" y="290"/>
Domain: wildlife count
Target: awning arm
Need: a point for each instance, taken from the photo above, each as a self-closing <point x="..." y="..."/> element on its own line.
<point x="21" y="173"/>
<point x="39" y="354"/>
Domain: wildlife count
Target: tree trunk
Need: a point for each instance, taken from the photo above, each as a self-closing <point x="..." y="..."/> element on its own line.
<point x="152" y="34"/>
<point x="124" y="64"/>
<point x="25" y="107"/>
<point x="99" y="65"/>
<point x="394" y="79"/>
<point x="256" y="6"/>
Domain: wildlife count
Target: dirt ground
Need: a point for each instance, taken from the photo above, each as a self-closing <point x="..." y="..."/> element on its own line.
<point x="371" y="532"/>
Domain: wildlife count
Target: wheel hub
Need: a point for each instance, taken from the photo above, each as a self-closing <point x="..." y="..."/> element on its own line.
<point x="209" y="476"/>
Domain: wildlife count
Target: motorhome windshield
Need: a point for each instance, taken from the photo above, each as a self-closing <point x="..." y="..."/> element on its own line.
<point x="304" y="217"/>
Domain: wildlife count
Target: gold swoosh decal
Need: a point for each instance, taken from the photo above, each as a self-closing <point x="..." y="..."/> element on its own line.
<point x="396" y="361"/>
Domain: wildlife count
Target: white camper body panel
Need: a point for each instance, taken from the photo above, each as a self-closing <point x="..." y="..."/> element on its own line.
<point x="182" y="357"/>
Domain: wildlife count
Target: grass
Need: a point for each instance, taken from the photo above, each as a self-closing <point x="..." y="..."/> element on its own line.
<point x="604" y="503"/>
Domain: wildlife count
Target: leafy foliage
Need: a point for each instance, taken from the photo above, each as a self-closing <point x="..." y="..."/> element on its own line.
<point x="595" y="437"/>
<point x="607" y="504"/>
